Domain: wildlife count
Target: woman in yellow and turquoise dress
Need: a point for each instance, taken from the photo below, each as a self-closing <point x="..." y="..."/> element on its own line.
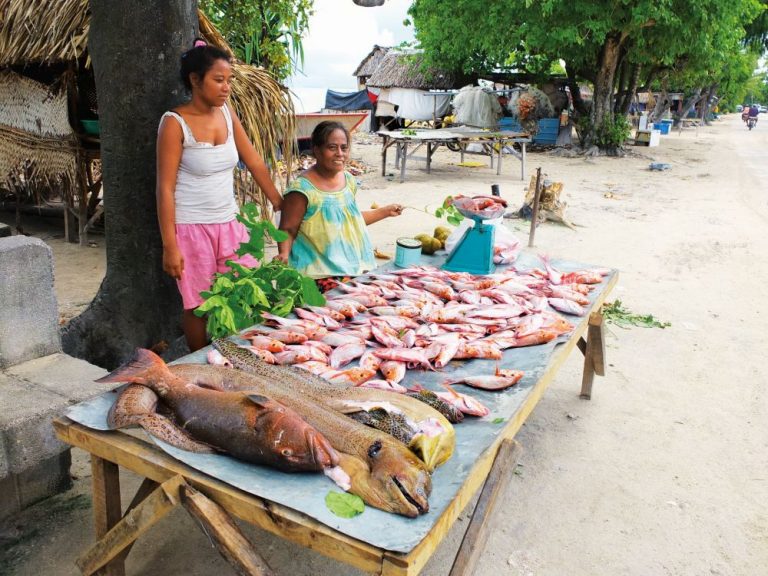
<point x="327" y="232"/>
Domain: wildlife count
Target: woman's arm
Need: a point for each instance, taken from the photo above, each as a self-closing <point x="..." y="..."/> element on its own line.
<point x="169" y="146"/>
<point x="371" y="216"/>
<point x="294" y="208"/>
<point x="254" y="162"/>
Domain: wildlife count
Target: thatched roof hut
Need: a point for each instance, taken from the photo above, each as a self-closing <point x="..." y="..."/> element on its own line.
<point x="44" y="68"/>
<point x="405" y="69"/>
<point x="369" y="64"/>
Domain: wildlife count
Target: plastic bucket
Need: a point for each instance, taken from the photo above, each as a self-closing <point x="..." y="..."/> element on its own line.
<point x="407" y="252"/>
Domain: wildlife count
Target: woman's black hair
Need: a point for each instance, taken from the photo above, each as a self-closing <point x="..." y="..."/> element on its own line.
<point x="199" y="59"/>
<point x="323" y="131"/>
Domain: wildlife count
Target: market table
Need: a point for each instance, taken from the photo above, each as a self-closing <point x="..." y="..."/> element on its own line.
<point x="460" y="137"/>
<point x="375" y="541"/>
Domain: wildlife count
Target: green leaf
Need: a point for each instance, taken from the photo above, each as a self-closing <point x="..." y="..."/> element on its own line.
<point x="498" y="420"/>
<point x="216" y="301"/>
<point x="311" y="293"/>
<point x="344" y="504"/>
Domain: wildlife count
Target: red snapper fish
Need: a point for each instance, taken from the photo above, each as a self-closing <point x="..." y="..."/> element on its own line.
<point x="248" y="426"/>
<point x="462" y="402"/>
<point x="567" y="306"/>
<point x="501" y="380"/>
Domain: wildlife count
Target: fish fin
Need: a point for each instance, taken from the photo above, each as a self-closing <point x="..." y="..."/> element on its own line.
<point x="164" y="429"/>
<point x="136" y="369"/>
<point x="451" y="390"/>
<point x="258" y="399"/>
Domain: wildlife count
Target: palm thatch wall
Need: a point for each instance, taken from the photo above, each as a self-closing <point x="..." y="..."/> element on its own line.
<point x="405" y="69"/>
<point x="39" y="33"/>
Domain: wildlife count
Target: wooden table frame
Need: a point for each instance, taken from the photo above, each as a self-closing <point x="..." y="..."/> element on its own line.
<point x="112" y="449"/>
<point x="493" y="143"/>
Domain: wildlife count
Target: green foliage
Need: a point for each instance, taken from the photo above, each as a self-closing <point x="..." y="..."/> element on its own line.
<point x="612" y="132"/>
<point x="238" y="297"/>
<point x="344" y="504"/>
<point x="265" y="33"/>
<point x="449" y="212"/>
<point x="689" y="41"/>
<point x="615" y="313"/>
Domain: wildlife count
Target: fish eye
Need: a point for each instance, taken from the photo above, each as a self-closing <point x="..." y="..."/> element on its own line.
<point x="374" y="449"/>
<point x="287" y="452"/>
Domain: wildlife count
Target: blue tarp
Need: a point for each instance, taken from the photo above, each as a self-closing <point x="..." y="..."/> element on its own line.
<point x="346" y="101"/>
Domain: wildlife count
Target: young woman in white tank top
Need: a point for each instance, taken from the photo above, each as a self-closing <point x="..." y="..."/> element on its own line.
<point x="198" y="146"/>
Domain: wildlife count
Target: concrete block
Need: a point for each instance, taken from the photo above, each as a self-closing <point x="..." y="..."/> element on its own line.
<point x="48" y="477"/>
<point x="28" y="310"/>
<point x="27" y="435"/>
<point x="64" y="375"/>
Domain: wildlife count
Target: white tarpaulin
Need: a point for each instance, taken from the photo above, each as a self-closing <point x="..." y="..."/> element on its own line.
<point x="417" y="104"/>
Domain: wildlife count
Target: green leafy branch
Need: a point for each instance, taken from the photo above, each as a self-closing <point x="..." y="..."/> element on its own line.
<point x="238" y="297"/>
<point x="449" y="211"/>
<point x="615" y="313"/>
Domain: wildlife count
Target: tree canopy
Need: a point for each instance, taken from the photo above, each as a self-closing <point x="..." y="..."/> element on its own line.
<point x="614" y="44"/>
<point x="265" y="33"/>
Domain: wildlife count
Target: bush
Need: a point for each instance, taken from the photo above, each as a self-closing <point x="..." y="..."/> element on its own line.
<point x="611" y="134"/>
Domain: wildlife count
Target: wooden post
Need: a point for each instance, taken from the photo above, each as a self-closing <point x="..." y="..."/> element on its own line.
<point x="594" y="354"/>
<point x="106" y="504"/>
<point x="384" y="147"/>
<point x="226" y="536"/>
<point x="475" y="537"/>
<point x="164" y="499"/>
<point x="429" y="156"/>
<point x="403" y="158"/>
<point x="535" y="215"/>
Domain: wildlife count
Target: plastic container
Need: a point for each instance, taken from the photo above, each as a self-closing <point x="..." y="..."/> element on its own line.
<point x="407" y="252"/>
<point x="90" y="126"/>
<point x="663" y="127"/>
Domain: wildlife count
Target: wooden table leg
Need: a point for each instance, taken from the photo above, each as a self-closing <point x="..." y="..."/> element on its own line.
<point x="501" y="151"/>
<point x="403" y="158"/>
<point x="477" y="533"/>
<point x="522" y="161"/>
<point x="594" y="354"/>
<point x="429" y="156"/>
<point x="384" y="147"/>
<point x="106" y="505"/>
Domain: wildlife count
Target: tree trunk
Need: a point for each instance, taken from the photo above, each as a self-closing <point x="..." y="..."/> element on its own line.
<point x="688" y="105"/>
<point x="634" y="78"/>
<point x="602" y="100"/>
<point x="707" y="104"/>
<point x="135" y="47"/>
<point x="622" y="81"/>
<point x="578" y="102"/>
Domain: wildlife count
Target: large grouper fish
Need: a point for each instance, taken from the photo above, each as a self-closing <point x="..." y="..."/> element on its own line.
<point x="434" y="445"/>
<point x="381" y="470"/>
<point x="247" y="425"/>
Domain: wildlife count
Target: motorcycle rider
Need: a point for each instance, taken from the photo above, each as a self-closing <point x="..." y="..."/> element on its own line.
<point x="753" y="112"/>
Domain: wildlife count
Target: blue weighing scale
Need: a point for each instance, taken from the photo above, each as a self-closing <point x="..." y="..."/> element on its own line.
<point x="474" y="252"/>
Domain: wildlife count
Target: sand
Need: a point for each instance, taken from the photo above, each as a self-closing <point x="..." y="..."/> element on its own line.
<point x="664" y="471"/>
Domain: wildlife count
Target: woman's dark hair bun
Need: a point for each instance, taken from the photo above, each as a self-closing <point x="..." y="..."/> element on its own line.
<point x="199" y="59"/>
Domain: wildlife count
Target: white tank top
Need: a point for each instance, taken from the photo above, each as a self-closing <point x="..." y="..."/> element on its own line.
<point x="205" y="182"/>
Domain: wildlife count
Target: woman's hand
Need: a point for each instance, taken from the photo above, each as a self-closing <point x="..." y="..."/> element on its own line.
<point x="173" y="262"/>
<point x="281" y="258"/>
<point x="391" y="210"/>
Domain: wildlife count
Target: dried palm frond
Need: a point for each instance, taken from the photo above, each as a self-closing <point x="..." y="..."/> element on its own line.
<point x="265" y="109"/>
<point x="43" y="32"/>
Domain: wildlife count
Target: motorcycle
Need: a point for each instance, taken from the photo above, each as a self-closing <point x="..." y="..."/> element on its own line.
<point x="751" y="122"/>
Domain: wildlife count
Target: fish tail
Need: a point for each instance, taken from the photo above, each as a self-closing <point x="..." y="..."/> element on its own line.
<point x="144" y="367"/>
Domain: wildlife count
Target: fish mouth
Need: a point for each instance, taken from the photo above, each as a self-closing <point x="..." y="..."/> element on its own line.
<point x="421" y="509"/>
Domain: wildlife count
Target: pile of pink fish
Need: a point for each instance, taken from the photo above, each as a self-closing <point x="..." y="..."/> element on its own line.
<point x="423" y="318"/>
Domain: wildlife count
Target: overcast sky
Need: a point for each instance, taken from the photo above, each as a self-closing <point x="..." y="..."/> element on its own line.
<point x="340" y="35"/>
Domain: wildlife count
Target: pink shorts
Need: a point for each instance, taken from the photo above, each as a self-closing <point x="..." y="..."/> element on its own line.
<point x="205" y="249"/>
